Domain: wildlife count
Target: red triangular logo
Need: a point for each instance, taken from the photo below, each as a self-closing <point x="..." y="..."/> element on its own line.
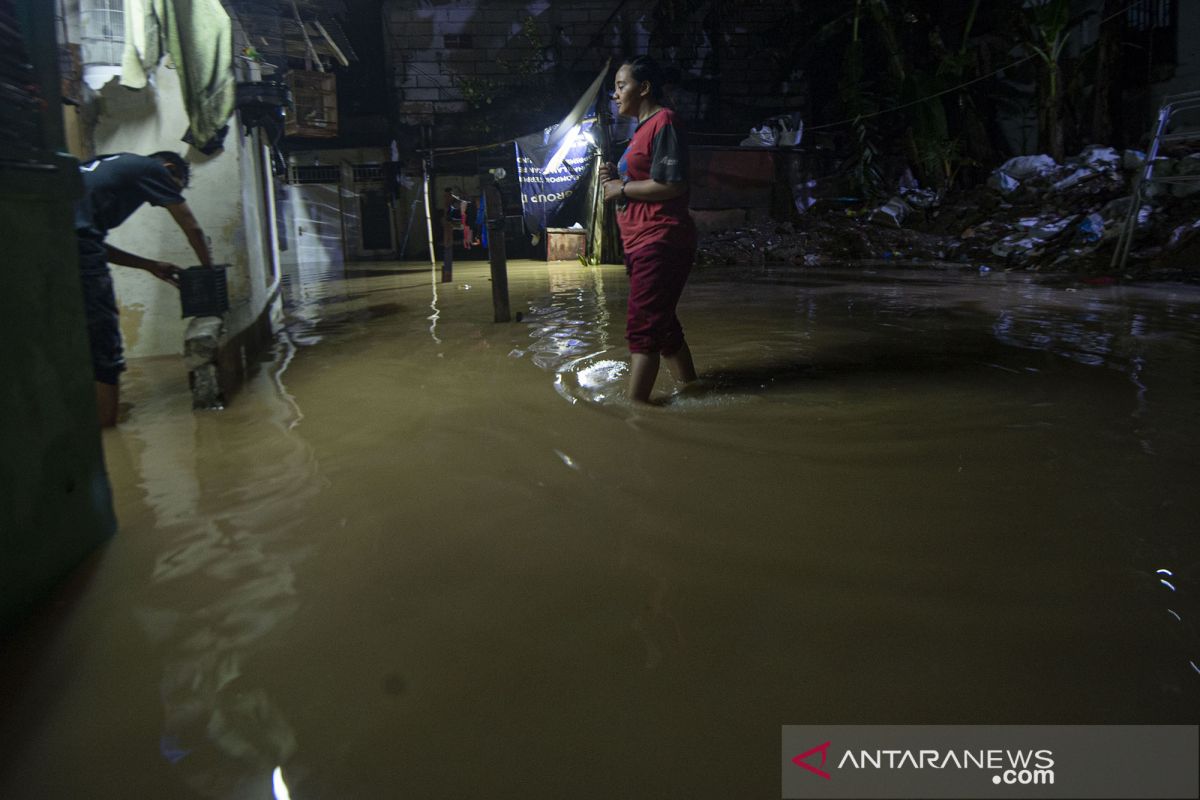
<point x="824" y="750"/>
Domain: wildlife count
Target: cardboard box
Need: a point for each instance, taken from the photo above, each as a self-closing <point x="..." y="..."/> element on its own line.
<point x="565" y="244"/>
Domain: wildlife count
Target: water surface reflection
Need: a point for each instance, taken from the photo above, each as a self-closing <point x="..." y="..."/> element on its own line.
<point x="427" y="555"/>
<point x="227" y="509"/>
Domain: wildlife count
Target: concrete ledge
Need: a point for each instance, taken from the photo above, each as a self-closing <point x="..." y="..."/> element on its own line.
<point x="245" y="348"/>
<point x="217" y="363"/>
<point x="201" y="345"/>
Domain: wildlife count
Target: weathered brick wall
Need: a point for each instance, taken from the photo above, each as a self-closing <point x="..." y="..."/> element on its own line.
<point x="437" y="47"/>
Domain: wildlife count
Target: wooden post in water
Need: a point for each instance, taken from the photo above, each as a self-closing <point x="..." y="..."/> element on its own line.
<point x="447" y="240"/>
<point x="426" y="168"/>
<point x="496" y="255"/>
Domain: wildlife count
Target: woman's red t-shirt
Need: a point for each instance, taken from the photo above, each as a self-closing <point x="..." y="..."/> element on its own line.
<point x="658" y="151"/>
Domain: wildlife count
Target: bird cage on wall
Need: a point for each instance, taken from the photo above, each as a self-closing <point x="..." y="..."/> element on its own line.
<point x="314" y="105"/>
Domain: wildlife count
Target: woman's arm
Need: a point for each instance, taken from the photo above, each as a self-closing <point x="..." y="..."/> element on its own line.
<point x="647" y="190"/>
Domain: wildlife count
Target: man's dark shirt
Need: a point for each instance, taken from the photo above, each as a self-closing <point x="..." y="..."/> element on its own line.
<point x="114" y="186"/>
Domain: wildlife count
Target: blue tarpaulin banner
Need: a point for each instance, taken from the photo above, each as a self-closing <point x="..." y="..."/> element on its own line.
<point x="543" y="193"/>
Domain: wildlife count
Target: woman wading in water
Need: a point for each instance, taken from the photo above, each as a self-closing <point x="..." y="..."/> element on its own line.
<point x="650" y="187"/>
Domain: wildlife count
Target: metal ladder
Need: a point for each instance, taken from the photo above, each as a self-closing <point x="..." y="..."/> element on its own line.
<point x="1172" y="104"/>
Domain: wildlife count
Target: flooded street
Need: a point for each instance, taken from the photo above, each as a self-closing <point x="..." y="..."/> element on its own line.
<point x="424" y="555"/>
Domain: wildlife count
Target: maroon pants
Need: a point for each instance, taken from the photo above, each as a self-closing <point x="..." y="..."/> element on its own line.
<point x="657" y="273"/>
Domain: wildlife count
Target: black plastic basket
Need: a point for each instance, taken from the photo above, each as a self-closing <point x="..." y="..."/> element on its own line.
<point x="203" y="291"/>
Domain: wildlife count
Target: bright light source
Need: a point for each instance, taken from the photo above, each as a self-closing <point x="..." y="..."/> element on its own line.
<point x="281" y="789"/>
<point x="561" y="153"/>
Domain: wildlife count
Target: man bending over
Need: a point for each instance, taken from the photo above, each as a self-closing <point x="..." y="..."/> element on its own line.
<point x="114" y="186"/>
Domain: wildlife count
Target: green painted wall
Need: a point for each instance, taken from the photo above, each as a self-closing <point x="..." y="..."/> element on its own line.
<point x="55" y="501"/>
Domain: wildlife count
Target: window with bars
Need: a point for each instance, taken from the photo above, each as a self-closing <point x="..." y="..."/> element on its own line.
<point x="1151" y="40"/>
<point x="366" y="173"/>
<point x="323" y="173"/>
<point x="102" y="31"/>
<point x="1149" y="14"/>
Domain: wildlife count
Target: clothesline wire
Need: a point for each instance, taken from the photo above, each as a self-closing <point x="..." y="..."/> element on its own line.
<point x="415" y="68"/>
<point x="474" y="148"/>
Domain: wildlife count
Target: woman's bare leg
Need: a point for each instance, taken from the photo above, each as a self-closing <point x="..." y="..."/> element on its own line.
<point x="643" y="369"/>
<point x="680" y="364"/>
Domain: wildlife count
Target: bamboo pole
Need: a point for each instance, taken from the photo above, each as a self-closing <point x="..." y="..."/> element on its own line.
<point x="312" y="51"/>
<point x="428" y="213"/>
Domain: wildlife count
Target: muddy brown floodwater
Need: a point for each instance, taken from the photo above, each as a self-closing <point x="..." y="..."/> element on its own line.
<point x="423" y="555"/>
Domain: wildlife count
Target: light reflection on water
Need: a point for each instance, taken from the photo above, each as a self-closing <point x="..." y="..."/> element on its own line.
<point x="224" y="581"/>
<point x="906" y="498"/>
<point x="570" y="337"/>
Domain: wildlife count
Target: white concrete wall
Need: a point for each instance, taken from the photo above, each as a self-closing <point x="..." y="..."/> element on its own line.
<point x="226" y="197"/>
<point x="348" y="203"/>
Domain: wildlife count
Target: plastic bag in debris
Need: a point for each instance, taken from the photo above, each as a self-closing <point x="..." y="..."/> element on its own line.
<point x="1016" y="245"/>
<point x="1003" y="182"/>
<point x="920" y="198"/>
<point x="1031" y="233"/>
<point x="791" y="130"/>
<point x="1076" y="177"/>
<point x="760" y="137"/>
<point x="1045" y="227"/>
<point x="1092" y="228"/>
<point x="1100" y="157"/>
<point x="785" y="130"/>
<point x="891" y="213"/>
<point x="1025" y="167"/>
<point x="804" y="193"/>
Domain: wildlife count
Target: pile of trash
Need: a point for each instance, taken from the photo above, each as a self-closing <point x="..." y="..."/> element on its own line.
<point x="825" y="235"/>
<point x="785" y="130"/>
<point x="1032" y="214"/>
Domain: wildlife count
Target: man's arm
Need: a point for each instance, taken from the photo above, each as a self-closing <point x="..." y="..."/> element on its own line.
<point x="191" y="228"/>
<point x="162" y="270"/>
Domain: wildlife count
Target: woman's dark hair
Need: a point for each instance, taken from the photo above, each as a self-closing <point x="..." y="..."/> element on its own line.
<point x="175" y="161"/>
<point x="645" y="68"/>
